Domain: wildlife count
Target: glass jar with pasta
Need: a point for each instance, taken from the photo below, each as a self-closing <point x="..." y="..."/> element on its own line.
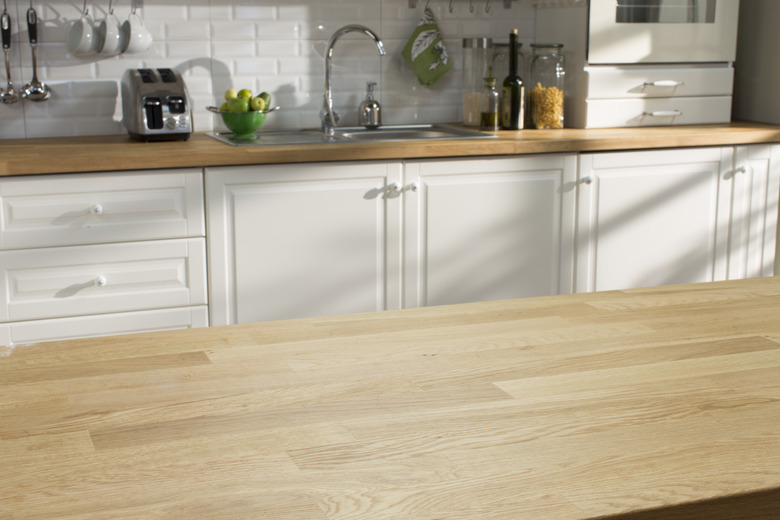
<point x="545" y="91"/>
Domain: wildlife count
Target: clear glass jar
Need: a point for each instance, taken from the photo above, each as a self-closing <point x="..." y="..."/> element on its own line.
<point x="489" y="115"/>
<point x="546" y="88"/>
<point x="477" y="56"/>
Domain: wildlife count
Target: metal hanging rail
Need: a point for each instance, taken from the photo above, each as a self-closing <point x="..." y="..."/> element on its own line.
<point x="507" y="4"/>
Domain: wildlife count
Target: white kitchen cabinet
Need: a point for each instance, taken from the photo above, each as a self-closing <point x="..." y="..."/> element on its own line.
<point x="488" y="228"/>
<point x="104" y="253"/>
<point x="317" y="239"/>
<point x="675" y="216"/>
<point x="296" y="240"/>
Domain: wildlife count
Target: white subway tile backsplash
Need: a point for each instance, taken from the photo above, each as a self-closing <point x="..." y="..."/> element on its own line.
<point x="259" y="44"/>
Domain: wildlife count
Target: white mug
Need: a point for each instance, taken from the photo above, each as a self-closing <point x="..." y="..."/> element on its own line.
<point x="109" y="36"/>
<point x="135" y="36"/>
<point x="81" y="36"/>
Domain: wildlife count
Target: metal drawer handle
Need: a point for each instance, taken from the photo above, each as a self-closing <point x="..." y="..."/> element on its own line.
<point x="745" y="169"/>
<point x="664" y="83"/>
<point x="663" y="113"/>
<point x="587" y="180"/>
<point x="101" y="281"/>
<point x="96" y="209"/>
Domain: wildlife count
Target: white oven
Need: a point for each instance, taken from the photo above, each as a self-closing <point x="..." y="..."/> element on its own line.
<point x="643" y="62"/>
<point x="662" y="31"/>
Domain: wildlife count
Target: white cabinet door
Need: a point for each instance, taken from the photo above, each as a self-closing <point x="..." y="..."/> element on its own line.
<point x="288" y="241"/>
<point x="26" y="332"/>
<point x="653" y="218"/>
<point x="756" y="176"/>
<point x="98" y="279"/>
<point x="99" y="208"/>
<point x="488" y="228"/>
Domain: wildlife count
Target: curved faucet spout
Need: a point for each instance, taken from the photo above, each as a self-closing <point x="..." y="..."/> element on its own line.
<point x="329" y="117"/>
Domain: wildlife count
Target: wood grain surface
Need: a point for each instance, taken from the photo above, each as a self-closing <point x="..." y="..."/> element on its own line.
<point x="120" y="152"/>
<point x="657" y="403"/>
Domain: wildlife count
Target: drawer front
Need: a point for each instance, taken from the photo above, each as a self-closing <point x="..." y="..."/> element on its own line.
<point x="26" y="332"/>
<point x="652" y="82"/>
<point x="53" y="210"/>
<point x="99" y="279"/>
<point x="609" y="113"/>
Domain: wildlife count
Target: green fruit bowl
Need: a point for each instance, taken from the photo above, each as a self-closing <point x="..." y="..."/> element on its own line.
<point x="243" y="124"/>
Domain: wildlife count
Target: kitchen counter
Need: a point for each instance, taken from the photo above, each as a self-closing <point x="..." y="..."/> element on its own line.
<point x="657" y="403"/>
<point x="120" y="152"/>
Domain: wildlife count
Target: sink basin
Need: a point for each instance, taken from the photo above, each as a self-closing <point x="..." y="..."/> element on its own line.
<point x="408" y="133"/>
<point x="355" y="134"/>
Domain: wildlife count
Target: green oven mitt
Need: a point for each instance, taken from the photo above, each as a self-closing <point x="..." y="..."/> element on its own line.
<point x="425" y="51"/>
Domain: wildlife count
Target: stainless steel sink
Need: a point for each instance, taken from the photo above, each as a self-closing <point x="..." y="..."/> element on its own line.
<point x="408" y="133"/>
<point x="356" y="134"/>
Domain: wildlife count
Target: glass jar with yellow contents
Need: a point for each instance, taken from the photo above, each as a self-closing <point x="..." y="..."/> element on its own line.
<point x="545" y="90"/>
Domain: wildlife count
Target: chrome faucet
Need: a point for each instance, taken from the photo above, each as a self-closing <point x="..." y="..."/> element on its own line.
<point x="329" y="117"/>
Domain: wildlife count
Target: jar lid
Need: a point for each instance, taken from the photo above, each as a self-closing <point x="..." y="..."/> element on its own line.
<point x="477" y="43"/>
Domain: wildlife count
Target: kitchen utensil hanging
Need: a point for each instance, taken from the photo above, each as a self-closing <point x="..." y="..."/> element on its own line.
<point x="472" y="5"/>
<point x="34" y="90"/>
<point x="9" y="95"/>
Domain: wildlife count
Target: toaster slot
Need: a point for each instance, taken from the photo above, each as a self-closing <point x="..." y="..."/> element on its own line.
<point x="154" y="113"/>
<point x="167" y="75"/>
<point x="147" y="75"/>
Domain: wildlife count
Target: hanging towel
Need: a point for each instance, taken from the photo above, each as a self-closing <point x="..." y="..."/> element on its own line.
<point x="425" y="51"/>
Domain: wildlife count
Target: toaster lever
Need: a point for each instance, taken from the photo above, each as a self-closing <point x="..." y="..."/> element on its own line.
<point x="154" y="113"/>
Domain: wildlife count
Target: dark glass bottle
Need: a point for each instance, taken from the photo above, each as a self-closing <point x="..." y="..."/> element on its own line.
<point x="513" y="95"/>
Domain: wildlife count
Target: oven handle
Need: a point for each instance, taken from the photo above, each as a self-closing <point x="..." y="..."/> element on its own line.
<point x="663" y="113"/>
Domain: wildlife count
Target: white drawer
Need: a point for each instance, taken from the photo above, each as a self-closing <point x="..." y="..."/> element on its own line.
<point x="98" y="279"/>
<point x="26" y="332"/>
<point x="51" y="210"/>
<point x="651" y="82"/>
<point x="608" y="113"/>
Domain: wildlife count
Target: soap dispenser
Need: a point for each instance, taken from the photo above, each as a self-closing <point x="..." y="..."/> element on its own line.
<point x="370" y="112"/>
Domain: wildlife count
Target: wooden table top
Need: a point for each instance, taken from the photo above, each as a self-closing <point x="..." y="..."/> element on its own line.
<point x="658" y="403"/>
<point x="120" y="152"/>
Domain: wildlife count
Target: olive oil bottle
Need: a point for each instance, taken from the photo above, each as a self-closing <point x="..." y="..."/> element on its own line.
<point x="513" y="92"/>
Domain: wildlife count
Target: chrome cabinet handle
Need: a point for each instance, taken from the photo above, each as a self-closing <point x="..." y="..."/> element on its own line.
<point x="587" y="180"/>
<point x="663" y="83"/>
<point x="96" y="209"/>
<point x="663" y="113"/>
<point x="744" y="169"/>
<point x="101" y="281"/>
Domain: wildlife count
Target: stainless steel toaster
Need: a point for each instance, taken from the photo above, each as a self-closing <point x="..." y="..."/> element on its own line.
<point x="155" y="105"/>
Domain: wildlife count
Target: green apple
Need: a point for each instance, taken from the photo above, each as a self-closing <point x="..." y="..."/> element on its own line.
<point x="223" y="107"/>
<point x="238" y="104"/>
<point x="230" y="94"/>
<point x="245" y="93"/>
<point x="266" y="97"/>
<point x="257" y="104"/>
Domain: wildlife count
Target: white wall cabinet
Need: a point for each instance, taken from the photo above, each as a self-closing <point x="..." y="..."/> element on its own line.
<point x="288" y="241"/>
<point x="675" y="216"/>
<point x="488" y="228"/>
<point x="306" y="240"/>
<point x="98" y="254"/>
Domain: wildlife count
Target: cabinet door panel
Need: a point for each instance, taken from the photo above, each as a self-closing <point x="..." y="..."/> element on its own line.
<point x="488" y="229"/>
<point x="755" y="211"/>
<point x="652" y="218"/>
<point x="301" y="240"/>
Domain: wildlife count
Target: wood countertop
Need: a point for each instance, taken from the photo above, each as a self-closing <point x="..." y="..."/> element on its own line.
<point x="658" y="403"/>
<point x="120" y="152"/>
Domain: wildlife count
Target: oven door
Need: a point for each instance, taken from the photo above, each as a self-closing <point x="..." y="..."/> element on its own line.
<point x="662" y="31"/>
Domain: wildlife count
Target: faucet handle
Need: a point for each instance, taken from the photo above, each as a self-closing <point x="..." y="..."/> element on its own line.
<point x="370" y="111"/>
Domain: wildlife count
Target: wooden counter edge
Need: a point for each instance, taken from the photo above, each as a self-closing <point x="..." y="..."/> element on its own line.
<point x="121" y="153"/>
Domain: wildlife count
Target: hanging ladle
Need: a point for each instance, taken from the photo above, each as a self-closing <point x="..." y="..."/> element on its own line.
<point x="9" y="95"/>
<point x="34" y="90"/>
